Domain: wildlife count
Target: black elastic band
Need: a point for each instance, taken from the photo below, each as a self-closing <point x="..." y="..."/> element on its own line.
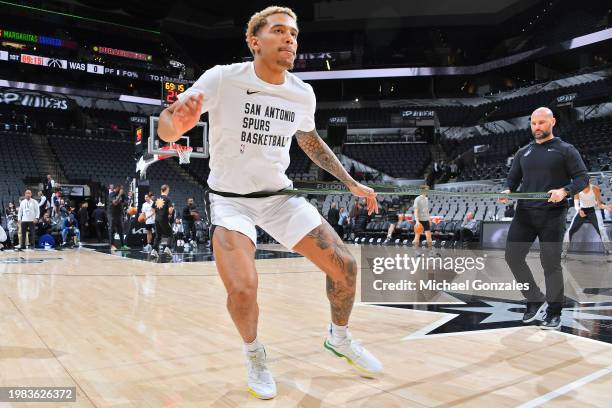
<point x="259" y="194"/>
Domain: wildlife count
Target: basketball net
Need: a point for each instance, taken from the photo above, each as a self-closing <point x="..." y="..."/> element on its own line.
<point x="184" y="153"/>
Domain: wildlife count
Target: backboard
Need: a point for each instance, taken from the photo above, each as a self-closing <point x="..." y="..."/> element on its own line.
<point x="197" y="138"/>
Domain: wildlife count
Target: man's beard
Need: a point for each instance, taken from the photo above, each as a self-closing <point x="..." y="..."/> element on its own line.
<point x="542" y="135"/>
<point x="285" y="63"/>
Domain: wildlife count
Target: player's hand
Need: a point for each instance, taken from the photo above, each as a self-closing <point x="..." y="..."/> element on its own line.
<point x="582" y="214"/>
<point x="503" y="200"/>
<point x="187" y="113"/>
<point x="609" y="207"/>
<point x="370" y="195"/>
<point x="557" y="195"/>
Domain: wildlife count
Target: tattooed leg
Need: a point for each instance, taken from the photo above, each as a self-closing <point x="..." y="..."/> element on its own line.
<point x="324" y="248"/>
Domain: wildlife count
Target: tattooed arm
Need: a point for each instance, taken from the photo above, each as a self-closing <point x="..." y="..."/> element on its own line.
<point x="318" y="151"/>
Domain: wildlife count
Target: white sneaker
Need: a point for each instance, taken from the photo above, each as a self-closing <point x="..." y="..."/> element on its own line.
<point x="147" y="248"/>
<point x="167" y="251"/>
<point x="154" y="253"/>
<point x="259" y="379"/>
<point x="366" y="364"/>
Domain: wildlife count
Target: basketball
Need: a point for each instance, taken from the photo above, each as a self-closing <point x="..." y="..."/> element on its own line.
<point x="142" y="218"/>
<point x="132" y="211"/>
<point x="418" y="228"/>
<point x="196" y="216"/>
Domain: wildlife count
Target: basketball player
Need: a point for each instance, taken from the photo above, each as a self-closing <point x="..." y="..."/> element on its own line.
<point x="163" y="226"/>
<point x="189" y="229"/>
<point x="118" y="201"/>
<point x="255" y="108"/>
<point x="552" y="165"/>
<point x="149" y="213"/>
<point x="421" y="218"/>
<point x="587" y="204"/>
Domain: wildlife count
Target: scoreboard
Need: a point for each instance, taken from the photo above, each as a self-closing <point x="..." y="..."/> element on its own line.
<point x="171" y="90"/>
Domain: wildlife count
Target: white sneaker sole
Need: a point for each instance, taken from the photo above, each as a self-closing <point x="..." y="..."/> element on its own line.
<point x="364" y="372"/>
<point x="256" y="395"/>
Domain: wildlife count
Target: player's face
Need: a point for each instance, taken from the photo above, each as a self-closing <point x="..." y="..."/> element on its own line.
<point x="541" y="125"/>
<point x="277" y="40"/>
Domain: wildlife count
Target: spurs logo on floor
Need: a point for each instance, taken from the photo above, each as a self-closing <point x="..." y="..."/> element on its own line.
<point x="483" y="313"/>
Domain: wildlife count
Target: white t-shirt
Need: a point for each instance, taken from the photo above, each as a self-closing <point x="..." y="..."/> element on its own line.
<point x="147" y="209"/>
<point x="28" y="210"/>
<point x="251" y="124"/>
<point x="421" y="208"/>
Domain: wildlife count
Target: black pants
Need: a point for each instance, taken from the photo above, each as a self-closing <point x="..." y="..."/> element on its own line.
<point x="339" y="230"/>
<point x="549" y="227"/>
<point x="116" y="226"/>
<point x="189" y="230"/>
<point x="25" y="227"/>
<point x="464" y="235"/>
<point x="591" y="218"/>
<point x="162" y="229"/>
<point x="100" y="230"/>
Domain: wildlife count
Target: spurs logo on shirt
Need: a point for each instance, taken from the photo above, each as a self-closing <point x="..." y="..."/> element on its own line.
<point x="251" y="126"/>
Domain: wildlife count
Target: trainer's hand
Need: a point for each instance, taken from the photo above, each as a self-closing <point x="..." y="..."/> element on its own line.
<point x="582" y="214"/>
<point x="557" y="195"/>
<point x="364" y="191"/>
<point x="503" y="200"/>
<point x="187" y="113"/>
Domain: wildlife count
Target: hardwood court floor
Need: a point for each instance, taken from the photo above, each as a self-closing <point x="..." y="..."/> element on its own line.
<point x="130" y="333"/>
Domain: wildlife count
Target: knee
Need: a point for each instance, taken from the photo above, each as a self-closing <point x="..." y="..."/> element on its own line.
<point x="348" y="266"/>
<point x="242" y="293"/>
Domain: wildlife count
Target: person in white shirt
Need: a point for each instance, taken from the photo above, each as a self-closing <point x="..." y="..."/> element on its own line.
<point x="588" y="205"/>
<point x="149" y="214"/>
<point x="254" y="110"/>
<point x="421" y="218"/>
<point x="28" y="217"/>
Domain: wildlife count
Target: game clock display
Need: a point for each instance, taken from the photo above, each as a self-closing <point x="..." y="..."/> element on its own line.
<point x="171" y="90"/>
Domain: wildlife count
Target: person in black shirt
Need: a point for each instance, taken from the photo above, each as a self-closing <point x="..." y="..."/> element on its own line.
<point x="333" y="216"/>
<point x="48" y="186"/>
<point x="84" y="219"/>
<point x="552" y="165"/>
<point x="188" y="221"/>
<point x="164" y="210"/>
<point x="44" y="225"/>
<point x="118" y="201"/>
<point x="100" y="220"/>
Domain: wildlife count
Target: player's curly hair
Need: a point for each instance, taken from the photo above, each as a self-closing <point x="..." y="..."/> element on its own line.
<point x="258" y="20"/>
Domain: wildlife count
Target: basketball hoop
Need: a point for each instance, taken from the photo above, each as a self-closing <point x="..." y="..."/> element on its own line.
<point x="184" y="153"/>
